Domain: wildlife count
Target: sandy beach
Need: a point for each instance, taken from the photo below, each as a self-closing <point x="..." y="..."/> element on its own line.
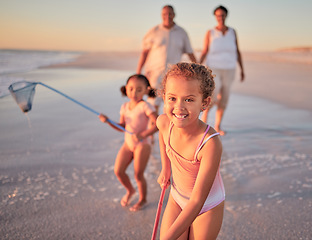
<point x="56" y="168"/>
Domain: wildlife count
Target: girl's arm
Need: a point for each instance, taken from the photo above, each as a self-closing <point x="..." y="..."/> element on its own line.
<point x="205" y="48"/>
<point x="164" y="176"/>
<point x="210" y="157"/>
<point x="121" y="123"/>
<point x="151" y="130"/>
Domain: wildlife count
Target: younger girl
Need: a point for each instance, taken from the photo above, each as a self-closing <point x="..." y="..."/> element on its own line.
<point x="191" y="151"/>
<point x="134" y="117"/>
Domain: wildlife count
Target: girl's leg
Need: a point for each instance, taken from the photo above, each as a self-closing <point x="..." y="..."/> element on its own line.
<point x="208" y="224"/>
<point x="123" y="159"/>
<point x="171" y="213"/>
<point x="140" y="158"/>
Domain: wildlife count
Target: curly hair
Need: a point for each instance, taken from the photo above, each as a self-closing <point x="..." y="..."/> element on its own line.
<point x="151" y="93"/>
<point x="192" y="71"/>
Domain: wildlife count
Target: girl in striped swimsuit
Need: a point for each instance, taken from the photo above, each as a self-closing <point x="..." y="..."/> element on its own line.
<point x="191" y="152"/>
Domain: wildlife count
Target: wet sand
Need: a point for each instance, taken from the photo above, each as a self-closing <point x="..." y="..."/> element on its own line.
<point x="56" y="169"/>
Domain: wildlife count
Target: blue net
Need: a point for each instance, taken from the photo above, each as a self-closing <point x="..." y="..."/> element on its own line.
<point x="23" y="93"/>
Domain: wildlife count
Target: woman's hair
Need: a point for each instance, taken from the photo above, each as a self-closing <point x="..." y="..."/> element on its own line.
<point x="151" y="92"/>
<point x="192" y="71"/>
<point x="221" y="8"/>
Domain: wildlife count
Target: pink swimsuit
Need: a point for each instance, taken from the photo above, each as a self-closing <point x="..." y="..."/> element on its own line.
<point x="136" y="120"/>
<point x="184" y="174"/>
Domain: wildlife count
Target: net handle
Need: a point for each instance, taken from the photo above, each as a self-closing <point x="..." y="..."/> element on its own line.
<point x="84" y="106"/>
<point x="160" y="203"/>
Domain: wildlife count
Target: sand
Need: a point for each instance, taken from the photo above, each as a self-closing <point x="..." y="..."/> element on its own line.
<point x="56" y="168"/>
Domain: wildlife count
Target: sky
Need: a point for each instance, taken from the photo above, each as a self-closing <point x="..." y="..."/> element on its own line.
<point x="119" y="25"/>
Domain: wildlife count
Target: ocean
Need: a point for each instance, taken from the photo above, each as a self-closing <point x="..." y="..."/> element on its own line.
<point x="19" y="61"/>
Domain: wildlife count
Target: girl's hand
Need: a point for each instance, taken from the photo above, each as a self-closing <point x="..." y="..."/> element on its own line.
<point x="164" y="178"/>
<point x="137" y="137"/>
<point x="103" y="118"/>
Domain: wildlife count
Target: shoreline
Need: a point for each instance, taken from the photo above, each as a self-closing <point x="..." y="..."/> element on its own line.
<point x="102" y="60"/>
<point x="290" y="89"/>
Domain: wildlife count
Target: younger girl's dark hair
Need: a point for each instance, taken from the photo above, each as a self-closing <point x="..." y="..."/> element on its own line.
<point x="151" y="93"/>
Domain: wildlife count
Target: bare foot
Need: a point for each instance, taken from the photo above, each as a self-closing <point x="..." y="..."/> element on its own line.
<point x="125" y="199"/>
<point x="138" y="206"/>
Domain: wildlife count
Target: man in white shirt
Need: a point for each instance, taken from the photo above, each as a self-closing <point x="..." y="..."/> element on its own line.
<point x="163" y="45"/>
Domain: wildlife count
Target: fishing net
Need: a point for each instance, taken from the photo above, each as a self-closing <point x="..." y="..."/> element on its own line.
<point x="23" y="93"/>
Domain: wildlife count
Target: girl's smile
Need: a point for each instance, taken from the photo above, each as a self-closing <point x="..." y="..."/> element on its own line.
<point x="181" y="116"/>
<point x="183" y="100"/>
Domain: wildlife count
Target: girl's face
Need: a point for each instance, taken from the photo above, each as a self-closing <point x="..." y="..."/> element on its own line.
<point x="183" y="100"/>
<point x="136" y="89"/>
